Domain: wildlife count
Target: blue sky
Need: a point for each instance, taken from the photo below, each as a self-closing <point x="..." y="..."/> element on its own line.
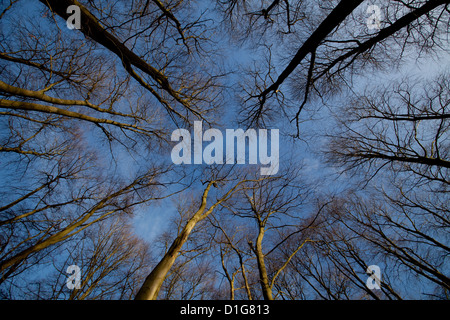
<point x="150" y="221"/>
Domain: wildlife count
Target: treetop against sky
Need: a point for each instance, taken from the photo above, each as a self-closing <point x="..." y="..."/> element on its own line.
<point x="176" y="149"/>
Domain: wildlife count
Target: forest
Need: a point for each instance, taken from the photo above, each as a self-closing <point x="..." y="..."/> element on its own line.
<point x="224" y="150"/>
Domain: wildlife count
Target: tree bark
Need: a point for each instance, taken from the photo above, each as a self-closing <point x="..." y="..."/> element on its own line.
<point x="154" y="281"/>
<point x="387" y="32"/>
<point x="92" y="28"/>
<point x="152" y="284"/>
<point x="75" y="227"/>
<point x="264" y="279"/>
<point x="342" y="10"/>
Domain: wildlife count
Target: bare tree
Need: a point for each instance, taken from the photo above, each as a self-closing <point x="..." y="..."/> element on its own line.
<point x="399" y="238"/>
<point x="176" y="92"/>
<point x="85" y="121"/>
<point x="233" y="242"/>
<point x="69" y="115"/>
<point x="274" y="205"/>
<point x="192" y="274"/>
<point x="111" y="259"/>
<point x="49" y="227"/>
<point x="334" y="266"/>
<point x="400" y="136"/>
<point x="403" y="126"/>
<point x="339" y="47"/>
<point x="154" y="281"/>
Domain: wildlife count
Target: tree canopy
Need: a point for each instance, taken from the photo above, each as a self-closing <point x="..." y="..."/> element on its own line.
<point x="358" y="94"/>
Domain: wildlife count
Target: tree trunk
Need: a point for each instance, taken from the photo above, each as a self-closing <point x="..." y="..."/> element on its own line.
<point x="264" y="279"/>
<point x="153" y="282"/>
